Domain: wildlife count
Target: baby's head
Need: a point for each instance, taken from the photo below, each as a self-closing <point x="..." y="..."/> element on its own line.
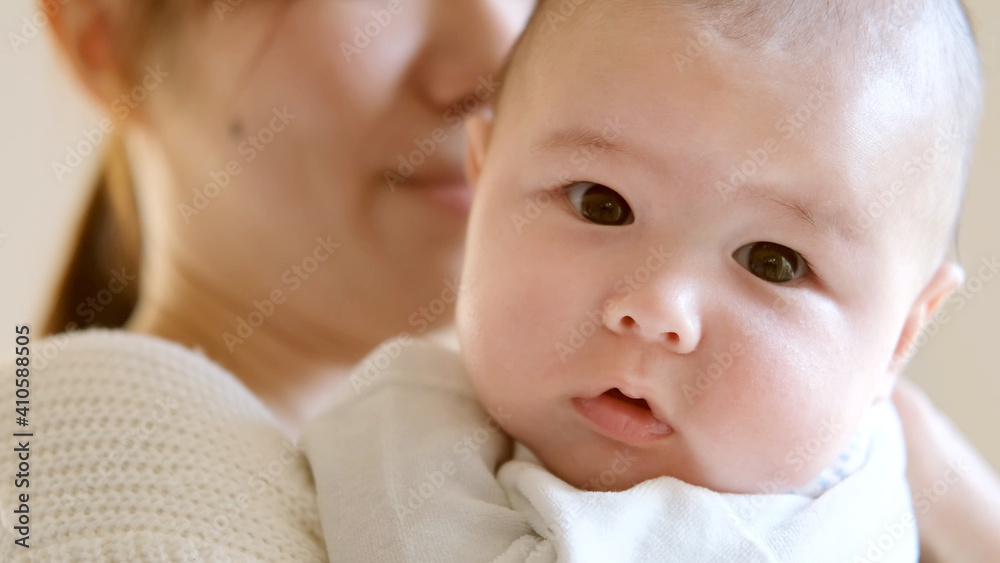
<point x="706" y="233"/>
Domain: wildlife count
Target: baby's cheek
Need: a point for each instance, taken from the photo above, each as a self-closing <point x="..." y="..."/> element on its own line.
<point x="763" y="409"/>
<point x="808" y="430"/>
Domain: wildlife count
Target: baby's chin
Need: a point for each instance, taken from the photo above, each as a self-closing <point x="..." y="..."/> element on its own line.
<point x="623" y="467"/>
<point x="623" y="471"/>
<point x="602" y="468"/>
<point x="606" y="479"/>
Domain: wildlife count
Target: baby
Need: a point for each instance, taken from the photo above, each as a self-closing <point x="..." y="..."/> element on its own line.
<point x="705" y="237"/>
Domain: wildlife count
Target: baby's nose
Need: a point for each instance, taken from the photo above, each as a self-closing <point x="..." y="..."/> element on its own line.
<point x="658" y="317"/>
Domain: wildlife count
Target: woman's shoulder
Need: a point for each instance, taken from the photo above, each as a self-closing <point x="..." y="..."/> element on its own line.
<point x="128" y="368"/>
<point x="136" y="444"/>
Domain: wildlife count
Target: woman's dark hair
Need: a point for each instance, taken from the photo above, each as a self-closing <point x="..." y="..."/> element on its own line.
<point x="108" y="240"/>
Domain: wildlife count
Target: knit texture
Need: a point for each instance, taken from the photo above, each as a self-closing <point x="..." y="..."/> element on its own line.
<point x="146" y="451"/>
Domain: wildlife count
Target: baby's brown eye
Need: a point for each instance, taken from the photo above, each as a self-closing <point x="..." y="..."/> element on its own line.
<point x="600" y="204"/>
<point x="771" y="262"/>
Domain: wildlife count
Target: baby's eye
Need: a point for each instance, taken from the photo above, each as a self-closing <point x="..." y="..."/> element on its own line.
<point x="599" y="204"/>
<point x="771" y="262"/>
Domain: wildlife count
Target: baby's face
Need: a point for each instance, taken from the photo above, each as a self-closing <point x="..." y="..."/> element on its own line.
<point x="642" y="224"/>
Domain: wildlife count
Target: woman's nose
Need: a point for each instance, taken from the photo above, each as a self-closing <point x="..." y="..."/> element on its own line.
<point x="466" y="46"/>
<point x="663" y="311"/>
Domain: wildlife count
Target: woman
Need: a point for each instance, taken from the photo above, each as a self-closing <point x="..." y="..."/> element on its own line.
<point x="297" y="181"/>
<point x="274" y="128"/>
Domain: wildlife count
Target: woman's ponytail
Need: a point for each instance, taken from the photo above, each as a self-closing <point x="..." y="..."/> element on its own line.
<point x="99" y="285"/>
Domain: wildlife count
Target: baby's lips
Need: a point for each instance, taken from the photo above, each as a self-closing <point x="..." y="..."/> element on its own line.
<point x="627" y="421"/>
<point x="660" y="426"/>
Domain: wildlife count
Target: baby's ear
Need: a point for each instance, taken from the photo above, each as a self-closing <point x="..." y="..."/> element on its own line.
<point x="946" y="280"/>
<point x="477" y="131"/>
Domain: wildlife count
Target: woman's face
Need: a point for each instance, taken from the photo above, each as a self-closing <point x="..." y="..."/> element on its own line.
<point x="317" y="147"/>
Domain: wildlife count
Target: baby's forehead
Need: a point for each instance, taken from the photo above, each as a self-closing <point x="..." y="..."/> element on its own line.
<point x="909" y="75"/>
<point x="928" y="45"/>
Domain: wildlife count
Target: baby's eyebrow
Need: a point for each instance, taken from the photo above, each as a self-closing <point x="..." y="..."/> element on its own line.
<point x="757" y="196"/>
<point x="595" y="140"/>
<point x="580" y="138"/>
<point x="798" y="208"/>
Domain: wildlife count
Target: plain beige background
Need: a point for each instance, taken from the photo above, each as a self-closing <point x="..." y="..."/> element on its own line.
<point x="42" y="113"/>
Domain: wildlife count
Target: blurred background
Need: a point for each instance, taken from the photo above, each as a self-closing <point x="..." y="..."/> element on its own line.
<point x="43" y="114"/>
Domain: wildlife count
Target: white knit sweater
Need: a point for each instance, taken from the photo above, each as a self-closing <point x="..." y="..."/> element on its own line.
<point x="146" y="451"/>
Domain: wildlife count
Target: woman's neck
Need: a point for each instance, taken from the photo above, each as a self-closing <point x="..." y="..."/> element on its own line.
<point x="279" y="361"/>
<point x="290" y="362"/>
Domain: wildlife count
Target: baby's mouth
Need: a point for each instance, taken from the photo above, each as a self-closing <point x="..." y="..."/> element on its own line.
<point x="624" y="418"/>
<point x="616" y="393"/>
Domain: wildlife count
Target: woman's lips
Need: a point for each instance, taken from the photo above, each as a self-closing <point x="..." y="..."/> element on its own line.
<point x="449" y="193"/>
<point x="622" y="418"/>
